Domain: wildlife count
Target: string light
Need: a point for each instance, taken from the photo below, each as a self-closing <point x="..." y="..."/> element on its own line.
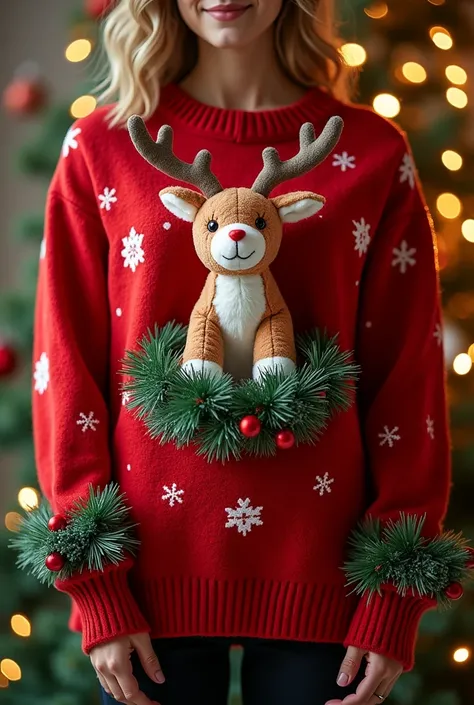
<point x="83" y="106"/>
<point x="441" y="38"/>
<point x="448" y="205"/>
<point x="386" y="104"/>
<point x="353" y="54"/>
<point x="12" y="521"/>
<point x="20" y="625"/>
<point x="462" y="364"/>
<point x="28" y="498"/>
<point x="457" y="97"/>
<point x="10" y="669"/>
<point x="451" y="160"/>
<point x="78" y="50"/>
<point x="467" y="229"/>
<point x="414" y="72"/>
<point x="456" y="74"/>
<point x="377" y="10"/>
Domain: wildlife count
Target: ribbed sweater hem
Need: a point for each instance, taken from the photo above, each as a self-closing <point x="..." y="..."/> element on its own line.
<point x="188" y="606"/>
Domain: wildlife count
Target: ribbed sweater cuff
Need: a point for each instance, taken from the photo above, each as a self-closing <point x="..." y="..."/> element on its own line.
<point x="388" y="625"/>
<point x="106" y="605"/>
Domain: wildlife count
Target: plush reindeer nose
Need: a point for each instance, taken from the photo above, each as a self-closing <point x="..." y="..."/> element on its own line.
<point x="237" y="235"/>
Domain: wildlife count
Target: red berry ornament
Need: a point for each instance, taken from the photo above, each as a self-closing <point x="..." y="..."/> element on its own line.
<point x="97" y="8"/>
<point x="57" y="522"/>
<point x="454" y="591"/>
<point x="24" y="96"/>
<point x="8" y="359"/>
<point x="470" y="560"/>
<point x="285" y="439"/>
<point x="54" y="562"/>
<point x="250" y="426"/>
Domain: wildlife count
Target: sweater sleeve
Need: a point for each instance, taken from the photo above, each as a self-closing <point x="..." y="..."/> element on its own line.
<point x="402" y="397"/>
<point x="69" y="396"/>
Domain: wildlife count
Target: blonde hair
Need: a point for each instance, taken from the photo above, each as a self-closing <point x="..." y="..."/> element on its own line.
<point x="147" y="45"/>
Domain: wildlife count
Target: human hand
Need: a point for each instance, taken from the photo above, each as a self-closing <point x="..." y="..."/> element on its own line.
<point x="112" y="665"/>
<point x="380" y="676"/>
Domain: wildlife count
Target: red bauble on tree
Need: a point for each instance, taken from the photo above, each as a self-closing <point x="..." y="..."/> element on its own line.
<point x="57" y="522"/>
<point x="454" y="591"/>
<point x="285" y="439"/>
<point x="8" y="359"/>
<point x="250" y="426"/>
<point x="97" y="8"/>
<point x="54" y="562"/>
<point x="470" y="560"/>
<point x="24" y="96"/>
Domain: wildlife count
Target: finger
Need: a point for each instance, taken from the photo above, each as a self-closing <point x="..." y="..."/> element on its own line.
<point x="148" y="658"/>
<point x="115" y="689"/>
<point x="103" y="683"/>
<point x="131" y="690"/>
<point x="373" y="683"/>
<point x="350" y="665"/>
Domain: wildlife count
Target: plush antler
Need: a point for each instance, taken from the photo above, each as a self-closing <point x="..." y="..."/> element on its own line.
<point x="312" y="152"/>
<point x="160" y="155"/>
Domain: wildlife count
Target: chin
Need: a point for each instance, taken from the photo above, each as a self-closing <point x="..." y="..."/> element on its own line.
<point x="228" y="38"/>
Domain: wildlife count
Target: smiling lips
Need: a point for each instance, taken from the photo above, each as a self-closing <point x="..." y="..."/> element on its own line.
<point x="227" y="13"/>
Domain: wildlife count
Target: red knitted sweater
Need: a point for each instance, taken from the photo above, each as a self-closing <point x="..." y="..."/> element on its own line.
<point x="114" y="262"/>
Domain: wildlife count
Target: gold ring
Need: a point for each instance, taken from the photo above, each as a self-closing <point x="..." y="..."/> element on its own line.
<point x="380" y="697"/>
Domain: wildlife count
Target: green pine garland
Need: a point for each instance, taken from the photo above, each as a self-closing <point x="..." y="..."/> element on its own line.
<point x="401" y="556"/>
<point x="97" y="533"/>
<point x="186" y="407"/>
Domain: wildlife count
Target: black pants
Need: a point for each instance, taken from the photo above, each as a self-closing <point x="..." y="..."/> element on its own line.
<point x="274" y="672"/>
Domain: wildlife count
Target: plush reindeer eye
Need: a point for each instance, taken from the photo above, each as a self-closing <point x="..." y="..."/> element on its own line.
<point x="212" y="226"/>
<point x="261" y="223"/>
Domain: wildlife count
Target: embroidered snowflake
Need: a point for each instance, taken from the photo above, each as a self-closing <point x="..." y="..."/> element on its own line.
<point x="244" y="516"/>
<point x="403" y="256"/>
<point x="389" y="436"/>
<point x="438" y="334"/>
<point x="167" y="225"/>
<point x="344" y="161"/>
<point x="70" y="141"/>
<point x="362" y="237"/>
<point x="43" y="248"/>
<point x="126" y="398"/>
<point x="41" y="375"/>
<point x="407" y="170"/>
<point x="87" y="421"/>
<point x="323" y="483"/>
<point x="132" y="251"/>
<point x="173" y="494"/>
<point x="107" y="198"/>
<point x="430" y="427"/>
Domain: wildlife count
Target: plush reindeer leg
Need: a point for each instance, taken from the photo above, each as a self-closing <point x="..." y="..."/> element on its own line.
<point x="204" y="350"/>
<point x="274" y="347"/>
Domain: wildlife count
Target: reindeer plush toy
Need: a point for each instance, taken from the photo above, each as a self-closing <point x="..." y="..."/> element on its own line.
<point x="240" y="324"/>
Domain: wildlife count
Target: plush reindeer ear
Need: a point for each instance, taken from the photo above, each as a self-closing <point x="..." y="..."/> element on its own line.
<point x="183" y="202"/>
<point x="298" y="205"/>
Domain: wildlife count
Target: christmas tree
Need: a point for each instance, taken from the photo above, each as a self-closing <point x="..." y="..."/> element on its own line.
<point x="414" y="60"/>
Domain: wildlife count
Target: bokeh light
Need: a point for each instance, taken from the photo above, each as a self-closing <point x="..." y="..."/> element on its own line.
<point x="353" y="54"/>
<point x="20" y="625"/>
<point x="78" y="50"/>
<point x="462" y="364"/>
<point x="451" y="160"/>
<point x="28" y="498"/>
<point x="457" y="97"/>
<point x="83" y="106"/>
<point x="448" y="205"/>
<point x="456" y="74"/>
<point x="414" y="72"/>
<point x="441" y="38"/>
<point x="12" y="521"/>
<point x="376" y="10"/>
<point x="467" y="229"/>
<point x="10" y="669"/>
<point x="386" y="104"/>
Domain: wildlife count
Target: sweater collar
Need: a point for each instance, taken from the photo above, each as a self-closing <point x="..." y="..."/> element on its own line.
<point x="276" y="124"/>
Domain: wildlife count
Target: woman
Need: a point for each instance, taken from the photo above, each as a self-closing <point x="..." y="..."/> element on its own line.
<point x="214" y="569"/>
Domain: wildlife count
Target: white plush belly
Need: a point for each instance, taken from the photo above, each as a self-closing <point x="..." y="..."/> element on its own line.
<point x="239" y="303"/>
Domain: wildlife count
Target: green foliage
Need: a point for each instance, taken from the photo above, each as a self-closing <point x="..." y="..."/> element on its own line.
<point x="400" y="556"/>
<point x="186" y="407"/>
<point x="98" y="532"/>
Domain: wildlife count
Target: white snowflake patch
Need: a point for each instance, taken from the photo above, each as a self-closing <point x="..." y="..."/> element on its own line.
<point x="389" y="436"/>
<point x="172" y="495"/>
<point x="244" y="516"/>
<point x="438" y="333"/>
<point x="43" y="248"/>
<point x="407" y="170"/>
<point x="41" y="374"/>
<point x="87" y="422"/>
<point x="344" y="161"/>
<point x="403" y="256"/>
<point x="362" y="237"/>
<point x="132" y="251"/>
<point x="430" y="427"/>
<point x="323" y="483"/>
<point x="107" y="198"/>
<point x="126" y="398"/>
<point x="70" y="141"/>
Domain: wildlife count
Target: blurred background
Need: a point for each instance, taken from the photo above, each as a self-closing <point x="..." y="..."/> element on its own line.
<point x="416" y="66"/>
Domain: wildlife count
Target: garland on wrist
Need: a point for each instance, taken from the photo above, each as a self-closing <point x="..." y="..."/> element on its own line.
<point x="226" y="419"/>
<point x="95" y="532"/>
<point x="400" y="556"/>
